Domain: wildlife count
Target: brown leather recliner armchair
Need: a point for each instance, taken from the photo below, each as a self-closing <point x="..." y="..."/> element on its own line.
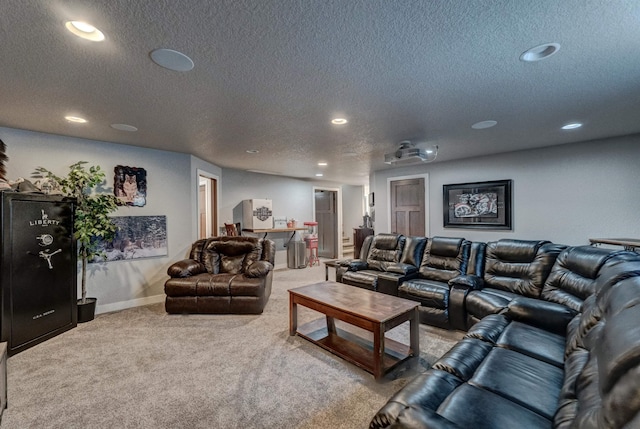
<point x="222" y="275"/>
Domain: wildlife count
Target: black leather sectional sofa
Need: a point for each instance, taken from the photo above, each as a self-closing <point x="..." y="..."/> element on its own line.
<point x="553" y="337"/>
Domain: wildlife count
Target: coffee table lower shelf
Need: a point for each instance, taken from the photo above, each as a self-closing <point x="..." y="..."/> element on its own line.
<point x="348" y="343"/>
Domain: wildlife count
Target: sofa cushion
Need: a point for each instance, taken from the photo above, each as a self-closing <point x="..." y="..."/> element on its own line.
<point x="519" y="266"/>
<point x="258" y="269"/>
<point x="472" y="407"/>
<point x="231" y="254"/>
<point x="446" y="246"/>
<point x="543" y="314"/>
<point x="231" y="264"/>
<point x="199" y="285"/>
<point x="241" y="285"/>
<point x="507" y="250"/>
<point x="535" y="342"/>
<point x="444" y="258"/>
<point x="538" y="386"/>
<point x="367" y="279"/>
<point x="233" y="248"/>
<point x="386" y="241"/>
<point x="426" y="292"/>
<point x="385" y="249"/>
<point x="413" y="249"/>
<point x="488" y="301"/>
<point x="572" y="278"/>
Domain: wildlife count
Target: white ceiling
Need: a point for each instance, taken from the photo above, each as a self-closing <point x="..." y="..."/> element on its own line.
<point x="269" y="75"/>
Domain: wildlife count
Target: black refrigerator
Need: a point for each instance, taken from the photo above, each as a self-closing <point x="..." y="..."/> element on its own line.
<point x="38" y="270"/>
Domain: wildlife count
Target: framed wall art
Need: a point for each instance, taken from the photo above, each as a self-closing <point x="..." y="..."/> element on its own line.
<point x="136" y="237"/>
<point x="478" y="205"/>
<point x="130" y="185"/>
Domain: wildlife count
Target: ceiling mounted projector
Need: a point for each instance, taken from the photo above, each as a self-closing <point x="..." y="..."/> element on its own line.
<point x="410" y="153"/>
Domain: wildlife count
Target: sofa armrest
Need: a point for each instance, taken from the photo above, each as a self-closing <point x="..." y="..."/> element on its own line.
<point x="546" y="315"/>
<point x="357" y="265"/>
<point x="186" y="268"/>
<point x="258" y="269"/>
<point x="467" y="280"/>
<point x="414" y="406"/>
<point x="388" y="282"/>
<point x="395" y="415"/>
<point x="403" y="269"/>
<point x="457" y="308"/>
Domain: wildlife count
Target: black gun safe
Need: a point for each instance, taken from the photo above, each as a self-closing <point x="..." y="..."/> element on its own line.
<point x="38" y="271"/>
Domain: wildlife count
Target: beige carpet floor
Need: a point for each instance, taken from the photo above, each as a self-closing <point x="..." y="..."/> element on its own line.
<point x="143" y="368"/>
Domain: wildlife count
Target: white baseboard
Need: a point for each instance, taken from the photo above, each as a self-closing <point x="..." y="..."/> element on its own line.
<point x="107" y="308"/>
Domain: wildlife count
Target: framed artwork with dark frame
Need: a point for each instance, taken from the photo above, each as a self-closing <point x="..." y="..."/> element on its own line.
<point x="130" y="185"/>
<point x="485" y="205"/>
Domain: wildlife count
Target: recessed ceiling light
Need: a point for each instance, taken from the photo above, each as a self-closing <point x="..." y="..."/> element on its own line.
<point x="339" y="121"/>
<point x="124" y="127"/>
<point x="253" y="151"/>
<point x="319" y="174"/>
<point x="172" y="60"/>
<point x="76" y="119"/>
<point x="84" y="30"/>
<point x="540" y="52"/>
<point x="572" y="126"/>
<point x="484" y="124"/>
<point x="322" y="164"/>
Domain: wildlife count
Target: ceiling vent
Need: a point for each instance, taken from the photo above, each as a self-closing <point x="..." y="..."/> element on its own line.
<point x="409" y="153"/>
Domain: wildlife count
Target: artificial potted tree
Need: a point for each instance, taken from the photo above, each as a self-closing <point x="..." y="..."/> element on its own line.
<point x="91" y="220"/>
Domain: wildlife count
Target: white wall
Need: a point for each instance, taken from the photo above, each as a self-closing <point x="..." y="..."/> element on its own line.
<point x="352" y="209"/>
<point x="566" y="194"/>
<point x="170" y="178"/>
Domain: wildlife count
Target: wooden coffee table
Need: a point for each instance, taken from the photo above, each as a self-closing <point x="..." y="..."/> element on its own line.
<point x="374" y="312"/>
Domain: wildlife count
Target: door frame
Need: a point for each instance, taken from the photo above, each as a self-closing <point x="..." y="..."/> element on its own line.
<point x="337" y="235"/>
<point x="424" y="176"/>
<point x="217" y="202"/>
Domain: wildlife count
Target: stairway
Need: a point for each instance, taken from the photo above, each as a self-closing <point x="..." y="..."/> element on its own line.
<point x="347" y="247"/>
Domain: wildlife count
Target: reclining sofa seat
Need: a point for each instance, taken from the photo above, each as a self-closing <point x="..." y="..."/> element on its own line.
<point x="342" y="266"/>
<point x="384" y="250"/>
<point x="222" y="275"/>
<point x="443" y="259"/>
<point x="510" y="371"/>
<point x="407" y="268"/>
<point x="512" y="268"/>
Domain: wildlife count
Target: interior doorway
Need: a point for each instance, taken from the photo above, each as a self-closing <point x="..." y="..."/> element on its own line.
<point x="326" y="214"/>
<point x="408" y="204"/>
<point x="207" y="206"/>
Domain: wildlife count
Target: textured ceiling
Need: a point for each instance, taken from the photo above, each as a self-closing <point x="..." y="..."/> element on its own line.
<point x="270" y="75"/>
